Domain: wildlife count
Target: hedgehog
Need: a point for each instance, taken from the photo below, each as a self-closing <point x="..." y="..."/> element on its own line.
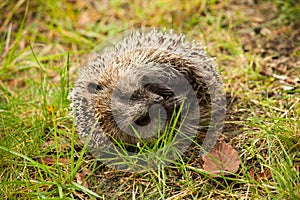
<point x="135" y="85"/>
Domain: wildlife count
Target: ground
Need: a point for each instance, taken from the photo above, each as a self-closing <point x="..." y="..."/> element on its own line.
<point x="43" y="44"/>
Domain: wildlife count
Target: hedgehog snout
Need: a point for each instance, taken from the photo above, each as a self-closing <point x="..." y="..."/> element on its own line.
<point x="158" y="100"/>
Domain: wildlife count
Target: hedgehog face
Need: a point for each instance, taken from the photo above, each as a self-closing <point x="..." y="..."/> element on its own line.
<point x="140" y="103"/>
<point x="134" y="107"/>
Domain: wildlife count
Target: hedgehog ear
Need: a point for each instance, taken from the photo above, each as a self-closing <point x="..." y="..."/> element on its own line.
<point x="94" y="87"/>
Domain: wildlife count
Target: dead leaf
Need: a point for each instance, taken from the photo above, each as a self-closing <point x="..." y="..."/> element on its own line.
<point x="52" y="161"/>
<point x="81" y="176"/>
<point x="221" y="160"/>
<point x="88" y="17"/>
<point x="251" y="173"/>
<point x="13" y="83"/>
<point x="263" y="175"/>
<point x="258" y="19"/>
<point x="282" y="30"/>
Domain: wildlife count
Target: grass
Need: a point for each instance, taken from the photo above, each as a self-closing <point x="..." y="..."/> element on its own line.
<point x="42" y="45"/>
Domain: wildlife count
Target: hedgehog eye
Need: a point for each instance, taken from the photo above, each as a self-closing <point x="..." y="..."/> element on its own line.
<point x="93" y="87"/>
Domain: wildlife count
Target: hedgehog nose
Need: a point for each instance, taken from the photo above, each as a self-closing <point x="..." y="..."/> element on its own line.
<point x="158" y="100"/>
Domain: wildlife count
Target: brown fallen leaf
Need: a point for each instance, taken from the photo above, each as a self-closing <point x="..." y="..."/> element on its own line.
<point x="52" y="161"/>
<point x="88" y="17"/>
<point x="221" y="160"/>
<point x="81" y="176"/>
<point x="16" y="83"/>
<point x="251" y="173"/>
<point x="263" y="175"/>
